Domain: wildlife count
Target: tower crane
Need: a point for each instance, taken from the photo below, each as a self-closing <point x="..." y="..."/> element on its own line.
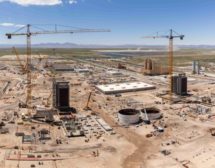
<point x="28" y="34"/>
<point x="171" y="36"/>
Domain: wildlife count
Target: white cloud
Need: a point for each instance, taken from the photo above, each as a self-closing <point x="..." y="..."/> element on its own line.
<point x="41" y="2"/>
<point x="73" y="1"/>
<point x="34" y="2"/>
<point x="11" y="25"/>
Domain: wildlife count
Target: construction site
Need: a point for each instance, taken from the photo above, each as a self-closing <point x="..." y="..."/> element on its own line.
<point x="104" y="112"/>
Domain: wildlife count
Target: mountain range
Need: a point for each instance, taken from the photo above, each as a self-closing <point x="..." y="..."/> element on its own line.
<point x="94" y="46"/>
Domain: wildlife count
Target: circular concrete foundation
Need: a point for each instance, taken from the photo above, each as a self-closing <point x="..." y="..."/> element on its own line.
<point x="153" y="113"/>
<point x="128" y="116"/>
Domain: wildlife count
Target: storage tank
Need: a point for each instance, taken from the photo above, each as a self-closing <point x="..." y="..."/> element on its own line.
<point x="128" y="116"/>
<point x="152" y="113"/>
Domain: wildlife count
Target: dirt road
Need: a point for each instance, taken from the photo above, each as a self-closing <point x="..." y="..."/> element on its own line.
<point x="144" y="146"/>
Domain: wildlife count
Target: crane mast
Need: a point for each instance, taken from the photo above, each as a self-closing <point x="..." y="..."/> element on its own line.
<point x="170" y="63"/>
<point x="28" y="35"/>
<point x="29" y="89"/>
<point x="171" y="38"/>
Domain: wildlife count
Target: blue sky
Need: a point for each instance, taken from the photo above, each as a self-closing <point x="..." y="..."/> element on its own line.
<point x="128" y="20"/>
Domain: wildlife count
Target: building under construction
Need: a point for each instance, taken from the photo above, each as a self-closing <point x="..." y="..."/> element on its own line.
<point x="61" y="94"/>
<point x="153" y="68"/>
<point x="179" y="84"/>
<point x="196" y="67"/>
<point x="118" y="115"/>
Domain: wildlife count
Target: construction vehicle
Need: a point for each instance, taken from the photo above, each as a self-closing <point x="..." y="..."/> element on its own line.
<point x="28" y="34"/>
<point x="88" y="102"/>
<point x="171" y="37"/>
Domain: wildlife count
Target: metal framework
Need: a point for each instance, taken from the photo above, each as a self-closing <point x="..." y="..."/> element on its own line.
<point x="23" y="67"/>
<point x="172" y="35"/>
<point x="28" y="35"/>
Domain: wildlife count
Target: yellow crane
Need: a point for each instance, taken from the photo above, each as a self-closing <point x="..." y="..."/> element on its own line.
<point x="88" y="101"/>
<point x="171" y="36"/>
<point x="23" y="67"/>
<point x="28" y="34"/>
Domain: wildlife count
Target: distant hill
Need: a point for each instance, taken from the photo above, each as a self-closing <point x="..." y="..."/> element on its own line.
<point x="73" y="45"/>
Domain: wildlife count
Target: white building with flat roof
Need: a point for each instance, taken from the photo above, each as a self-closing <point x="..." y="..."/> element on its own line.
<point x="124" y="87"/>
<point x="81" y="70"/>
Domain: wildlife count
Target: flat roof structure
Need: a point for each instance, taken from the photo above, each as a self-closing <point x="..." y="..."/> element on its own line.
<point x="104" y="124"/>
<point x="81" y="70"/>
<point x="124" y="87"/>
<point x="115" y="73"/>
